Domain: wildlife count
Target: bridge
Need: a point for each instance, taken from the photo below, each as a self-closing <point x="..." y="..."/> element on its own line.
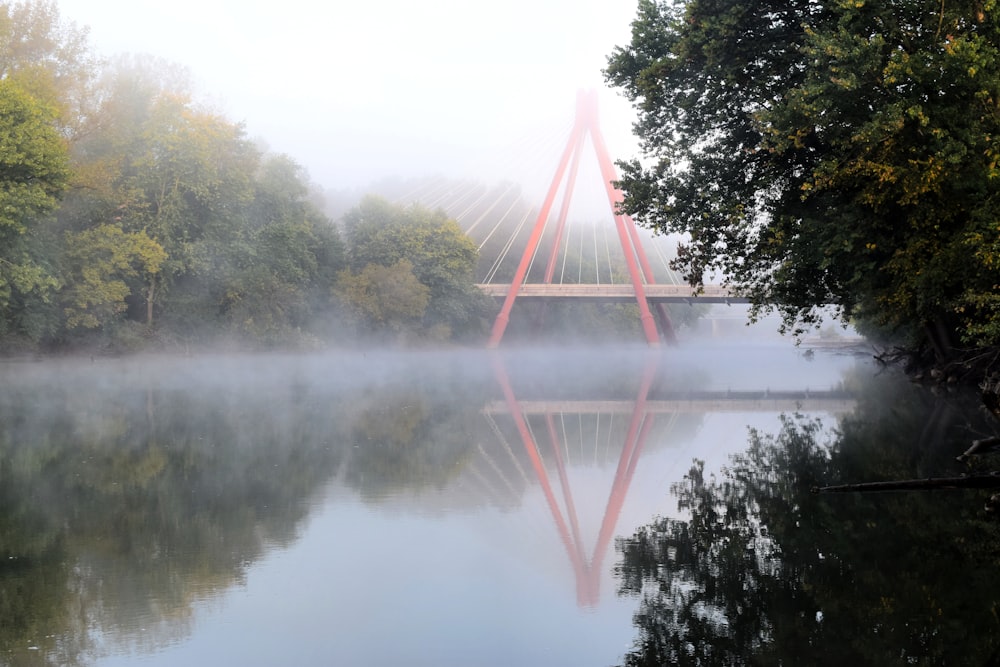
<point x="620" y="292"/>
<point x="572" y="264"/>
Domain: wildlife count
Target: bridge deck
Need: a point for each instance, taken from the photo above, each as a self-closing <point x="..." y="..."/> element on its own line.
<point x="617" y="292"/>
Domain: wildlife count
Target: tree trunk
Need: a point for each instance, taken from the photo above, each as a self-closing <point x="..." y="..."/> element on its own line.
<point x="149" y="301"/>
<point x="940" y="339"/>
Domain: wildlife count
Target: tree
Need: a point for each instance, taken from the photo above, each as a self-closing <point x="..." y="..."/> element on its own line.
<point x="266" y="273"/>
<point x="33" y="174"/>
<point x="441" y="257"/>
<point x="153" y="161"/>
<point x="48" y="58"/>
<point x="248" y="252"/>
<point x="99" y="261"/>
<point x="385" y="298"/>
<point x="835" y="153"/>
<point x="166" y="210"/>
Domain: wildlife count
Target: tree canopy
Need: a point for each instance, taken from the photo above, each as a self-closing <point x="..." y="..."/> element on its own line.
<point x="33" y="174"/>
<point x="408" y="265"/>
<point x="132" y="214"/>
<point x="839" y="153"/>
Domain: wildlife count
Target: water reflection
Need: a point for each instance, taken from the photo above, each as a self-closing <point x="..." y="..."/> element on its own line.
<point x="587" y="568"/>
<point x="670" y="407"/>
<point x="754" y="568"/>
<point x="136" y="496"/>
<point x="131" y="493"/>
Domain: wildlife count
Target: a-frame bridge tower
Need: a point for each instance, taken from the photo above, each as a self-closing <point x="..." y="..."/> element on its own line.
<point x="640" y="272"/>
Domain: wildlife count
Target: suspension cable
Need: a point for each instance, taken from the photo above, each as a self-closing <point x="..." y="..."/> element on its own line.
<point x="432" y="183"/>
<point x="506" y="249"/>
<point x="671" y="274"/>
<point x="489" y="210"/>
<point x="565" y="254"/>
<point x="449" y="199"/>
<point x="499" y="222"/>
<point x="477" y="195"/>
<point x="496" y="429"/>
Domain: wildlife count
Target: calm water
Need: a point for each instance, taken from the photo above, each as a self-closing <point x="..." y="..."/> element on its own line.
<point x="551" y="507"/>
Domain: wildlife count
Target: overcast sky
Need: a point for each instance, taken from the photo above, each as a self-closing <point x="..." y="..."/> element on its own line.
<point x="358" y="91"/>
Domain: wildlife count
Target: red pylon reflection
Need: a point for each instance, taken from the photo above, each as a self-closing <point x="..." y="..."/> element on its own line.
<point x="587" y="570"/>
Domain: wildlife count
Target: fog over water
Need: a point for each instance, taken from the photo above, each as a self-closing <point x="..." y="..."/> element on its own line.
<point x="557" y="503"/>
<point x="362" y="507"/>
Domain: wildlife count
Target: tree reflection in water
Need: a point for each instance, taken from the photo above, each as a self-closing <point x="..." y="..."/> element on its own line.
<point x="132" y="491"/>
<point x="123" y="504"/>
<point x="761" y="570"/>
<point x="130" y="496"/>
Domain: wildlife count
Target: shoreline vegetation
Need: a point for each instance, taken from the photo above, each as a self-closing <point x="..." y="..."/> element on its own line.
<point x="135" y="218"/>
<point x="828" y="155"/>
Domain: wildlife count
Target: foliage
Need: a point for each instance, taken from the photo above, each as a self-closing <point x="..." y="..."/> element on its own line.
<point x="176" y="171"/>
<point x="385" y="297"/>
<point x="100" y="260"/>
<point x="270" y="277"/>
<point x="248" y="254"/>
<point x="33" y="174"/>
<point x="838" y="153"/>
<point x="33" y="159"/>
<point x="441" y="257"/>
<point x="47" y="58"/>
<point x="129" y="210"/>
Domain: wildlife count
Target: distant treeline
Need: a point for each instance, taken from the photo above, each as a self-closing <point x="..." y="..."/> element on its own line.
<point x="132" y="216"/>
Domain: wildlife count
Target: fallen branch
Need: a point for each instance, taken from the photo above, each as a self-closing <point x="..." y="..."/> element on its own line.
<point x="984" y="481"/>
<point x="984" y="446"/>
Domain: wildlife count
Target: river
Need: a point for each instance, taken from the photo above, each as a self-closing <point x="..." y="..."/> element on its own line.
<point x="584" y="506"/>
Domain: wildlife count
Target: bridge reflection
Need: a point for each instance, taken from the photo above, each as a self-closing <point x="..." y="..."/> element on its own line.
<point x="552" y="433"/>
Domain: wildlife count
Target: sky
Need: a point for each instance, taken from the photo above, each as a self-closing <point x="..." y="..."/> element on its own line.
<point x="361" y="91"/>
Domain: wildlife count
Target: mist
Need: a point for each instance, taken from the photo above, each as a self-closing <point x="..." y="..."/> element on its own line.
<point x="223" y="239"/>
<point x="360" y="93"/>
<point x="256" y="413"/>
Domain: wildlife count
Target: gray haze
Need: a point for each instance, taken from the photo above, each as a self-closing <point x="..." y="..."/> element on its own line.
<point x="358" y="91"/>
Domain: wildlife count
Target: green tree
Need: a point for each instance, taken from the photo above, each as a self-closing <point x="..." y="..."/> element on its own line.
<point x="191" y="171"/>
<point x="33" y="174"/>
<point x="442" y="257"/>
<point x="99" y="261"/>
<point x="155" y="162"/>
<point x="266" y="275"/>
<point x="385" y="298"/>
<point x="48" y="58"/>
<point x="248" y="252"/>
<point x="837" y="153"/>
<point x="168" y="212"/>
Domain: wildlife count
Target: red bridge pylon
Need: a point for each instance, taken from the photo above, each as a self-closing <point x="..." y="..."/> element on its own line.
<point x="639" y="269"/>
